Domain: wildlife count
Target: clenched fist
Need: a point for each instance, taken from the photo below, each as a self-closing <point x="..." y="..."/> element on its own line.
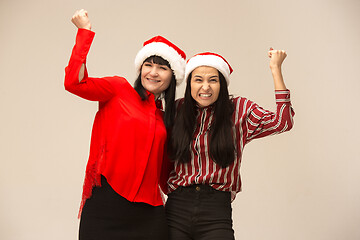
<point x="81" y="19"/>
<point x="276" y="57"/>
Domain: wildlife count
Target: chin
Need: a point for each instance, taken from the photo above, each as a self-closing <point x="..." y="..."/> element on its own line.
<point x="205" y="103"/>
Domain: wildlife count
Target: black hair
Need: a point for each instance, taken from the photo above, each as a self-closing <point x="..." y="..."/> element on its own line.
<point x="222" y="148"/>
<point x="169" y="113"/>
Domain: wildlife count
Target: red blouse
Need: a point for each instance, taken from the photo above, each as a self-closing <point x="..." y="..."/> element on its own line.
<point x="128" y="135"/>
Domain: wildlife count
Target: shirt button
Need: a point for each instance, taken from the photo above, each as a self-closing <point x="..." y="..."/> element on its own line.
<point x="198" y="188"/>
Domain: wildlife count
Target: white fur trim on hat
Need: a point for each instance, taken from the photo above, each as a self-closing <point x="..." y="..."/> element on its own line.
<point x="211" y="60"/>
<point x="176" y="61"/>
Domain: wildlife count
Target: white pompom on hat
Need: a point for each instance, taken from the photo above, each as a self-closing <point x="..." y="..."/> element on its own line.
<point x="209" y="59"/>
<point x="160" y="46"/>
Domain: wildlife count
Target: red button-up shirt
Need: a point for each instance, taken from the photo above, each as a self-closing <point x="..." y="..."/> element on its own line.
<point x="128" y="136"/>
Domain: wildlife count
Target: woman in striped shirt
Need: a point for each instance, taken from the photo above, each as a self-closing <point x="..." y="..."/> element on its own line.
<point x="207" y="141"/>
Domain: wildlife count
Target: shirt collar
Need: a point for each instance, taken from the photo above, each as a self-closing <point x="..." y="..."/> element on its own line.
<point x="148" y="93"/>
<point x="159" y="102"/>
<point x="207" y="108"/>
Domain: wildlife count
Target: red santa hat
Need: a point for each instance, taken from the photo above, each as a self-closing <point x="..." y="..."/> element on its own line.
<point x="209" y="59"/>
<point x="162" y="47"/>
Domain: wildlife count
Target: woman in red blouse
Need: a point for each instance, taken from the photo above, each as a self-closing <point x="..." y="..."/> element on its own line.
<point x="207" y="141"/>
<point x="121" y="197"/>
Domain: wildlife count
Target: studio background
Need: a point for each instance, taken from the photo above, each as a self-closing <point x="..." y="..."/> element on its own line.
<point x="303" y="184"/>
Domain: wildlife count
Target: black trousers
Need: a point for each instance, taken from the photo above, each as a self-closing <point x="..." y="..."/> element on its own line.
<point x="199" y="212"/>
<point x="107" y="216"/>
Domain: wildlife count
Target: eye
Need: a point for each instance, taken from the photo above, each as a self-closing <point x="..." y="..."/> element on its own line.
<point x="197" y="80"/>
<point x="213" y="80"/>
<point x="163" y="68"/>
<point x="147" y="64"/>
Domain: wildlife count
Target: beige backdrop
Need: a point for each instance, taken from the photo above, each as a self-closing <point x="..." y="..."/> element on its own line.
<point x="303" y="184"/>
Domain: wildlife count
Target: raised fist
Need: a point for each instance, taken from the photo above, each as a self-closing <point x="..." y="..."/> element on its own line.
<point x="276" y="57"/>
<point x="81" y="19"/>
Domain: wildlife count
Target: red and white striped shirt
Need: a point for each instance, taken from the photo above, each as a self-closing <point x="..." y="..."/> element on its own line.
<point x="250" y="122"/>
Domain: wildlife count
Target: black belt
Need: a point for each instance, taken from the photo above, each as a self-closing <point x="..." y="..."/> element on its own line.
<point x="198" y="188"/>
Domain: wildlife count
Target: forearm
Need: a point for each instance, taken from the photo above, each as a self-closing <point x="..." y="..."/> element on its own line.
<point x="279" y="83"/>
<point x="81" y="21"/>
<point x="276" y="59"/>
<point x="76" y="75"/>
<point x="82" y="72"/>
<point x="76" y="70"/>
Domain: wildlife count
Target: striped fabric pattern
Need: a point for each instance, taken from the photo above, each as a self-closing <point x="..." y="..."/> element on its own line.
<point x="250" y="122"/>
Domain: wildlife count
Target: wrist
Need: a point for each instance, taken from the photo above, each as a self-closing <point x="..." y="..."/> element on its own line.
<point x="87" y="27"/>
<point x="275" y="68"/>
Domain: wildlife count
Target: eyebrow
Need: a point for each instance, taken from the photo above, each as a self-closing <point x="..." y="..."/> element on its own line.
<point x="216" y="76"/>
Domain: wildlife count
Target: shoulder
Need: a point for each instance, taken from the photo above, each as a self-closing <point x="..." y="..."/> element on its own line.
<point x="119" y="83"/>
<point x="116" y="80"/>
<point x="122" y="88"/>
<point x="240" y="101"/>
<point x="243" y="105"/>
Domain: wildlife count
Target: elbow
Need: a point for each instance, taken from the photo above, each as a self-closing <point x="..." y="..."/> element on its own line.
<point x="70" y="87"/>
<point x="289" y="120"/>
<point x="67" y="80"/>
<point x="71" y="80"/>
<point x="70" y="84"/>
<point x="67" y="86"/>
<point x="286" y="124"/>
<point x="289" y="124"/>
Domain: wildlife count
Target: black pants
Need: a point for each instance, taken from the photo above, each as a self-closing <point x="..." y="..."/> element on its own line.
<point x="107" y="216"/>
<point x="199" y="212"/>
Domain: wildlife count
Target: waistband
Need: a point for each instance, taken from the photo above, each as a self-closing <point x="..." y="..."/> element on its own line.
<point x="197" y="188"/>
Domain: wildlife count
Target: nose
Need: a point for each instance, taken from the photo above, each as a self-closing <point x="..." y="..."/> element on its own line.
<point x="154" y="71"/>
<point x="205" y="86"/>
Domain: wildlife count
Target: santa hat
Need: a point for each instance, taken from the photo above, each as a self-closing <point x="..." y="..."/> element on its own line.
<point x="209" y="59"/>
<point x="162" y="47"/>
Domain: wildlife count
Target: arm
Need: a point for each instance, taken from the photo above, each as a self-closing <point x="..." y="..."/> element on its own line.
<point x="81" y="20"/>
<point x="260" y="122"/>
<point x="76" y="76"/>
<point x="276" y="59"/>
<point x="166" y="167"/>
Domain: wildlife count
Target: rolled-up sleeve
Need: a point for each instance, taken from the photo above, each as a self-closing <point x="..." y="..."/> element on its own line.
<point x="261" y="122"/>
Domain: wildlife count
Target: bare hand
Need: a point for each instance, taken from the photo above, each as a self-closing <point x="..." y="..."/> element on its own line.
<point x="81" y="19"/>
<point x="276" y="57"/>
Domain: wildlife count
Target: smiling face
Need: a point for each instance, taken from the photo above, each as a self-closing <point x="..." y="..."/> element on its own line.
<point x="205" y="85"/>
<point x="155" y="78"/>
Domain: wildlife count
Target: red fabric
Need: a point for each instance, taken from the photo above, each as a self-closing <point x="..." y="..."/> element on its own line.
<point x="215" y="54"/>
<point x="128" y="135"/>
<point x="250" y="122"/>
<point x="167" y="42"/>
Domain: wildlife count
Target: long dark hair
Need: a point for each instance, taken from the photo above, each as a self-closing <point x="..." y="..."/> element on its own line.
<point x="222" y="148"/>
<point x="169" y="113"/>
